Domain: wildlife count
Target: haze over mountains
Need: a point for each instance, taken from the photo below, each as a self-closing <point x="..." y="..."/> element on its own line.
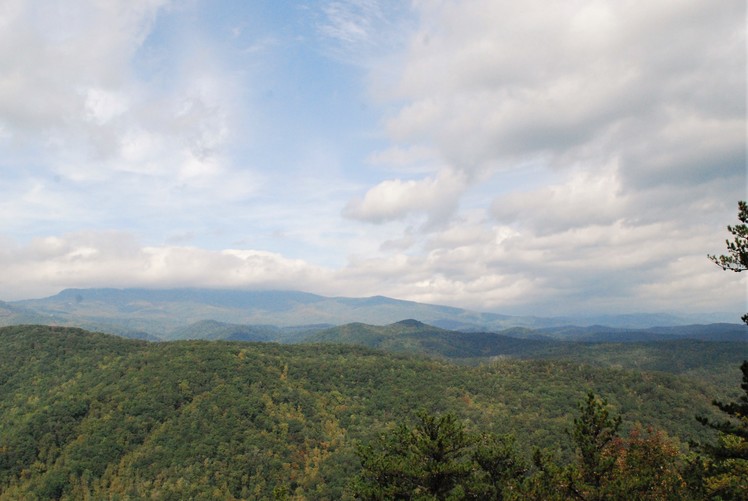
<point x="292" y="315"/>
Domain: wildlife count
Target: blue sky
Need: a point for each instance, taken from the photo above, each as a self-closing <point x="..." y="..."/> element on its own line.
<point x="518" y="157"/>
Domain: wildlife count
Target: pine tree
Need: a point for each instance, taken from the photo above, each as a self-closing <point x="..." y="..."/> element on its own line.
<point x="593" y="433"/>
<point x="727" y="471"/>
<point x="428" y="461"/>
<point x="736" y="258"/>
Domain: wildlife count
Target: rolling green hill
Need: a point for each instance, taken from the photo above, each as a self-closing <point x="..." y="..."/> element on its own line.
<point x="414" y="337"/>
<point x="88" y="414"/>
<point x="213" y="330"/>
<point x="603" y="334"/>
<point x="704" y="360"/>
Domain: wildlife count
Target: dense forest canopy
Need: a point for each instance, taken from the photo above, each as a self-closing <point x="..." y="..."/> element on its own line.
<point x="92" y="414"/>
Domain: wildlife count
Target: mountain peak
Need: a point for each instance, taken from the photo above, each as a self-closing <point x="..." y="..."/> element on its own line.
<point x="410" y="322"/>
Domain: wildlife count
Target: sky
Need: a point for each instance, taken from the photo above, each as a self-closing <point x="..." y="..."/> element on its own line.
<point x="531" y="157"/>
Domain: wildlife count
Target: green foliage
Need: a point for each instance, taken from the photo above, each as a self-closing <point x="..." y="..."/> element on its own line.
<point x="501" y="468"/>
<point x="90" y="415"/>
<point x="737" y="412"/>
<point x="736" y="258"/>
<point x="643" y="466"/>
<point x="593" y="433"/>
<point x="438" y="458"/>
<point x="411" y="336"/>
<point x="648" y="466"/>
<point x="737" y="250"/>
<point x="704" y="361"/>
<point x="726" y="473"/>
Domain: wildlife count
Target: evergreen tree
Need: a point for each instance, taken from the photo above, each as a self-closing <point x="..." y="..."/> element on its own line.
<point x="428" y="461"/>
<point x="497" y="458"/>
<point x="439" y="459"/>
<point x="736" y="258"/>
<point x="727" y="470"/>
<point x="593" y="434"/>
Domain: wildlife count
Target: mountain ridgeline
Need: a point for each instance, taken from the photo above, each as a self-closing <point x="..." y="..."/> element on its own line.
<point x="290" y="316"/>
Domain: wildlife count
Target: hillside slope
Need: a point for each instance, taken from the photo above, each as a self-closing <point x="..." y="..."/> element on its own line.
<point x="414" y="337"/>
<point x="91" y="414"/>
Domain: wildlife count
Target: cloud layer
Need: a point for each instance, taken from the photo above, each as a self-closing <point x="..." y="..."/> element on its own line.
<point x="635" y="115"/>
<point x="93" y="115"/>
<point x="523" y="157"/>
<point x="657" y="92"/>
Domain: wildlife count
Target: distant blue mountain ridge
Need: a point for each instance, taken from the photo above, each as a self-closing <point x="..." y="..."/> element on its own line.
<point x="160" y="313"/>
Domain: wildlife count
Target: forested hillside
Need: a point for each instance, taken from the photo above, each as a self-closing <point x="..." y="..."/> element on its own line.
<point x="92" y="414"/>
<point x="704" y="360"/>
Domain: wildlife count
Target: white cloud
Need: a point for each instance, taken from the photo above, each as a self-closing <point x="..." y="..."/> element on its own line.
<point x="657" y="89"/>
<point x="75" y="85"/>
<point x="115" y="259"/>
<point x="632" y="119"/>
<point x="105" y="130"/>
<point x="604" y="268"/>
<point x="597" y="269"/>
<point x="539" y="157"/>
<point x="395" y="199"/>
<point x="51" y="67"/>
<point x="585" y="198"/>
<point x="102" y="105"/>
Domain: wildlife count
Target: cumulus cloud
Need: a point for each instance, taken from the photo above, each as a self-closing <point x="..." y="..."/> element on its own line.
<point x="395" y="199"/>
<point x="583" y="199"/>
<point x="106" y="129"/>
<point x="54" y="74"/>
<point x="657" y="90"/>
<point x="60" y="88"/>
<point x="605" y="142"/>
<point x="606" y="268"/>
<point x="473" y="264"/>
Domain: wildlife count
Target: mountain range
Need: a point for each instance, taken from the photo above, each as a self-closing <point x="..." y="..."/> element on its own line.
<point x="286" y="385"/>
<point x="293" y="316"/>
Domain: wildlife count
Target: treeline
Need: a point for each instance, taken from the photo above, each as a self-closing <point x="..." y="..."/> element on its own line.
<point x="91" y="416"/>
